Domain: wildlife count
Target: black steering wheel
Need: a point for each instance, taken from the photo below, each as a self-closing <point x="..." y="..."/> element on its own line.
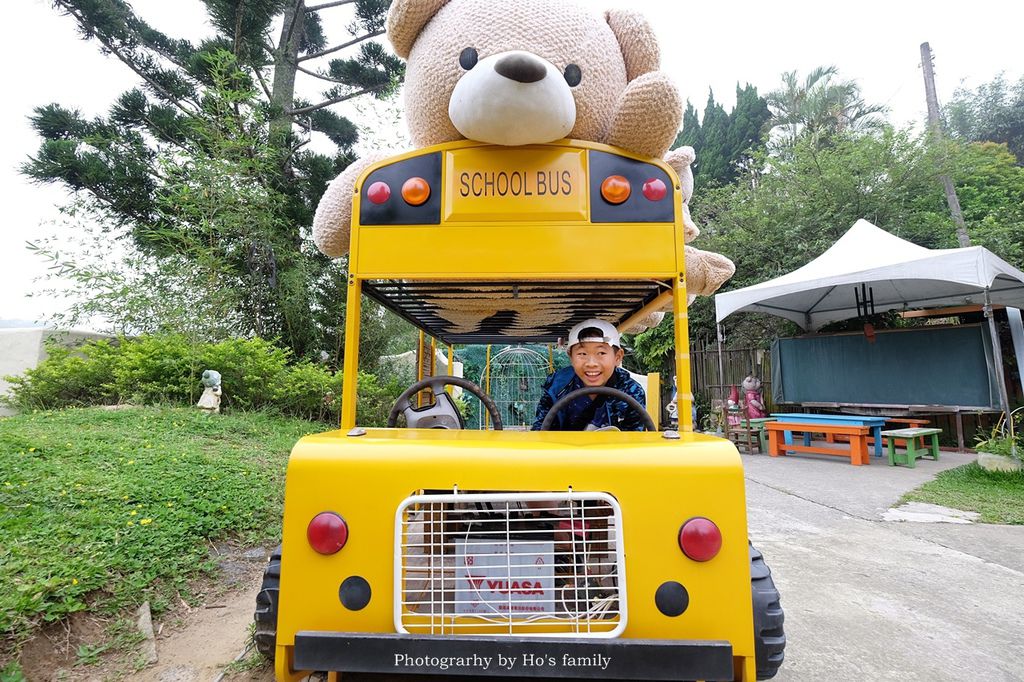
<point x="443" y="413"/>
<point x="599" y="390"/>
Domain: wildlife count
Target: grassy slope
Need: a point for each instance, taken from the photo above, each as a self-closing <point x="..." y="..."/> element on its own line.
<point x="998" y="497"/>
<point x="116" y="506"/>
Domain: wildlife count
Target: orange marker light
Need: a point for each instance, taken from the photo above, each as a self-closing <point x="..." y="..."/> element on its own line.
<point x="415" y="191"/>
<point x="615" y="189"/>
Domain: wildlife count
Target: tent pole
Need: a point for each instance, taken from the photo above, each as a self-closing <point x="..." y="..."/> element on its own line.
<point x="721" y="372"/>
<point x="997" y="355"/>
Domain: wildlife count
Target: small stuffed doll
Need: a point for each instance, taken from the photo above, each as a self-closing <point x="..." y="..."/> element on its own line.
<point x="734" y="407"/>
<point x="209" y="402"/>
<point x="753" y="399"/>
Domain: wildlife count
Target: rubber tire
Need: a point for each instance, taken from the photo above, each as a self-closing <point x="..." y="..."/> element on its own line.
<point x="769" y="638"/>
<point x="265" y="634"/>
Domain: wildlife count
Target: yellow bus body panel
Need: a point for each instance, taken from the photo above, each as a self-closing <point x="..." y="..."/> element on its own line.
<point x="658" y="483"/>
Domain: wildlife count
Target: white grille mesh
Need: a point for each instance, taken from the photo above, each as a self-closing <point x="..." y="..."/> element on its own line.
<point x="541" y="564"/>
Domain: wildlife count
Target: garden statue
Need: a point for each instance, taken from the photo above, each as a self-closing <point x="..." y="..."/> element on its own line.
<point x="753" y="399"/>
<point x="209" y="402"/>
<point x="522" y="72"/>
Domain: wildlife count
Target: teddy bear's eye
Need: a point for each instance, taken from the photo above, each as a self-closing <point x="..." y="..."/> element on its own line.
<point x="468" y="58"/>
<point x="573" y="75"/>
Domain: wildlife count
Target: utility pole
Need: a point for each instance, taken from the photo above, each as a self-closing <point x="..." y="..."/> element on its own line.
<point x="935" y="126"/>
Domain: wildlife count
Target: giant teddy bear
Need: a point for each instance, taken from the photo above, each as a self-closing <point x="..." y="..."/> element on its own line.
<point x="515" y="72"/>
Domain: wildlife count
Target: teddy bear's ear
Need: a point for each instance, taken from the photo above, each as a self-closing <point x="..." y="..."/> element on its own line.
<point x="406" y="19"/>
<point x="636" y="40"/>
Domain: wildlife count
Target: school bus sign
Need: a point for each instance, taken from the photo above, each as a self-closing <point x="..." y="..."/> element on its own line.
<point x="543" y="184"/>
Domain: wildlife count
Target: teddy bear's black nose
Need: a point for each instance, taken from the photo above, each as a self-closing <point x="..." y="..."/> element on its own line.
<point x="521" y="68"/>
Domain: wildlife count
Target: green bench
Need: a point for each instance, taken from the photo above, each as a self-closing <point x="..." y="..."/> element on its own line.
<point x="916" y="445"/>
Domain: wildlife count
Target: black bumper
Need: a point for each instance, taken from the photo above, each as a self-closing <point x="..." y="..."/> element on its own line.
<point x="614" y="659"/>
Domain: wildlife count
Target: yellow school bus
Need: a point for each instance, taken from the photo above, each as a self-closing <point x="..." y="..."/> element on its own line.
<point x="431" y="549"/>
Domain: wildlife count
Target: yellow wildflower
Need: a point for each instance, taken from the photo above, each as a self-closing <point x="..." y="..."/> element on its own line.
<point x="145" y="522"/>
<point x="132" y="513"/>
<point x="74" y="581"/>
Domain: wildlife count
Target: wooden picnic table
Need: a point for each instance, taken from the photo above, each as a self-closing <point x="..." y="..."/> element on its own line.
<point x="856" y="447"/>
<point x="874" y="423"/>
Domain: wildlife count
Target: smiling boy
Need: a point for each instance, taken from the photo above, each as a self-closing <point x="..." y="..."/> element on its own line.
<point x="595" y="352"/>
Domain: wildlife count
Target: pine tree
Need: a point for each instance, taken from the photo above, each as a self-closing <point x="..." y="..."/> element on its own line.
<point x="116" y="160"/>
<point x="724" y="142"/>
<point x="747" y="131"/>
<point x="716" y="151"/>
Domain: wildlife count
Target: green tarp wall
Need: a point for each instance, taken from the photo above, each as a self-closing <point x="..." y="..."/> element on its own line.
<point x="920" y="366"/>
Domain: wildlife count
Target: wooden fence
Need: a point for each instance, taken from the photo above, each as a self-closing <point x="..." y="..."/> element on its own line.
<point x="737" y="363"/>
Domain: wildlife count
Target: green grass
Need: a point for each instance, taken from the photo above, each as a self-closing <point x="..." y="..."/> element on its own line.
<point x="997" y="496"/>
<point x="104" y="509"/>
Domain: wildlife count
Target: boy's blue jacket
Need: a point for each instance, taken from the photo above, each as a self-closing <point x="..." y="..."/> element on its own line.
<point x="582" y="411"/>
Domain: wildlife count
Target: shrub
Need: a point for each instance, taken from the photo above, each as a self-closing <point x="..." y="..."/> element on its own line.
<point x="157" y="369"/>
<point x="376" y="397"/>
<point x="166" y="369"/>
<point x="252" y="370"/>
<point x="68" y="377"/>
<point x="310" y="391"/>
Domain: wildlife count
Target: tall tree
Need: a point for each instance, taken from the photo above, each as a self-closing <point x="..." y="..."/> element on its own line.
<point x="819" y="107"/>
<point x="723" y="142"/>
<point x="994" y="112"/>
<point x="716" y="152"/>
<point x="747" y="131"/>
<point x="116" y="160"/>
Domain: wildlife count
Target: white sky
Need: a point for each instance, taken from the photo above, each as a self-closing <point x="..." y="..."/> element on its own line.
<point x="703" y="45"/>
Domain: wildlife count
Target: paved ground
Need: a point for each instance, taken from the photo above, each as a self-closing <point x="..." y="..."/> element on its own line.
<point x="867" y="599"/>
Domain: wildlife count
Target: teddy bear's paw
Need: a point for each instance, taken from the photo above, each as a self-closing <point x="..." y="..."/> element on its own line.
<point x="680" y="160"/>
<point x="333" y="218"/>
<point x="648" y="322"/>
<point x="647" y="116"/>
<point x="690" y="229"/>
<point x="706" y="271"/>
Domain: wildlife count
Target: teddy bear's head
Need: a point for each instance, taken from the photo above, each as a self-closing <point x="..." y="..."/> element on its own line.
<point x="751" y="383"/>
<point x="517" y="72"/>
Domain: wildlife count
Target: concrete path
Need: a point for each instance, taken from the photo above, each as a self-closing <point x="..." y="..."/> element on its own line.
<point x="869" y="600"/>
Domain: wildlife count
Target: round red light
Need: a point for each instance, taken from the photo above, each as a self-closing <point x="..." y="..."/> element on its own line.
<point x="654" y="189"/>
<point x="378" y="192"/>
<point x="700" y="539"/>
<point x="327" y="533"/>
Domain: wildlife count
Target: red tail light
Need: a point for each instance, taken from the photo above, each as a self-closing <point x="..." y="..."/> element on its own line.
<point x="700" y="539"/>
<point x="654" y="189"/>
<point x="378" y="192"/>
<point x="327" y="533"/>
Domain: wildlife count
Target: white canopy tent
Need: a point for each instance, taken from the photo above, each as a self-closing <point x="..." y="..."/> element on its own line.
<point x="897" y="275"/>
<point x="869" y="270"/>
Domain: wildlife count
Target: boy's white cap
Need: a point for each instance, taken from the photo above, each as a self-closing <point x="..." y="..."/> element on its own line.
<point x="608" y="333"/>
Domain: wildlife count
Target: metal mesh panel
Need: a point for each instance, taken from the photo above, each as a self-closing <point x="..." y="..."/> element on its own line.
<point x="541" y="564"/>
<point x="526" y="312"/>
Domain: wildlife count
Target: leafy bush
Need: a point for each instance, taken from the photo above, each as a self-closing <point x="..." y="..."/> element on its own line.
<point x="166" y="369"/>
<point x="68" y="377"/>
<point x="253" y="371"/>
<point x="376" y="397"/>
<point x="156" y="369"/>
<point x="310" y="391"/>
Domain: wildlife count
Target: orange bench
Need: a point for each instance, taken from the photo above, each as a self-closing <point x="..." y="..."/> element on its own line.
<point x="856" y="447"/>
